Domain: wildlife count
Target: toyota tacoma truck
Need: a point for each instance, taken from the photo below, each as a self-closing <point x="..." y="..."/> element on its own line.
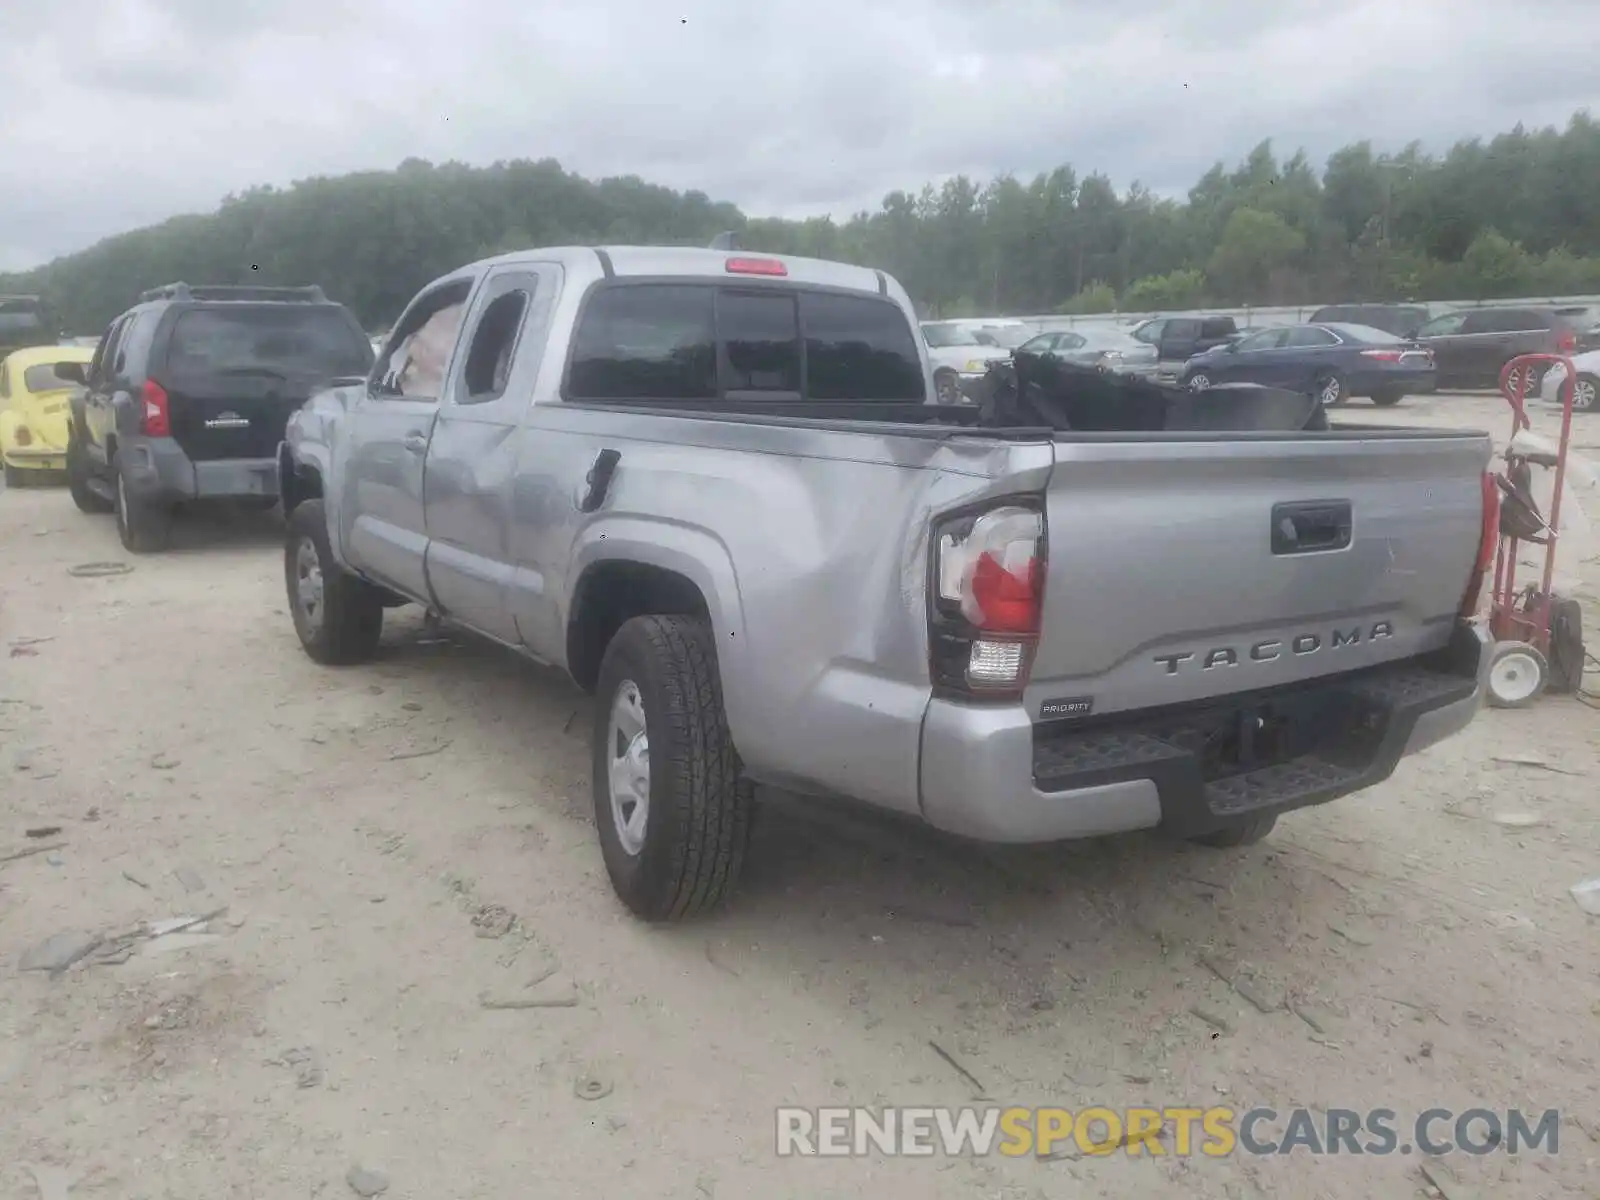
<point x="715" y="488"/>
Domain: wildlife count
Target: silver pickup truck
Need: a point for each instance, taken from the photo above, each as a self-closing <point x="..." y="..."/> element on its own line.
<point x="707" y="486"/>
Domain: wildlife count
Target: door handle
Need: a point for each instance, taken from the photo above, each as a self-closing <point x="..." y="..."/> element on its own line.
<point x="599" y="480"/>
<point x="415" y="442"/>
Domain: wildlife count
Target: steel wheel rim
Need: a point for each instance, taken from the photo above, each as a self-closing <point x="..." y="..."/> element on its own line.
<point x="1199" y="383"/>
<point x="308" y="589"/>
<point x="1514" y="676"/>
<point x="628" y="766"/>
<point x="1330" y="390"/>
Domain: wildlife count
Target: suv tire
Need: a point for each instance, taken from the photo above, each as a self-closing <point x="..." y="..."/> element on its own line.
<point x="85" y="497"/>
<point x="144" y="526"/>
<point x="682" y="854"/>
<point x="338" y="616"/>
<point x="1245" y="832"/>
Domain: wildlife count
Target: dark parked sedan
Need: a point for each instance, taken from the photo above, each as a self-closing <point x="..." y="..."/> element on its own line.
<point x="1332" y="362"/>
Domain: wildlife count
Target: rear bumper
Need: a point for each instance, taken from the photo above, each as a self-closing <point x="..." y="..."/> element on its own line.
<point x="159" y="470"/>
<point x="991" y="774"/>
<point x="36" y="458"/>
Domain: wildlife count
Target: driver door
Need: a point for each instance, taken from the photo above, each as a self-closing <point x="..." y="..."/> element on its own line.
<point x="382" y="525"/>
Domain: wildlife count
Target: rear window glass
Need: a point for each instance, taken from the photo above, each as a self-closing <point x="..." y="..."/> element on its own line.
<point x="43" y="378"/>
<point x="858" y="348"/>
<point x="762" y="337"/>
<point x="643" y="342"/>
<point x="288" y="340"/>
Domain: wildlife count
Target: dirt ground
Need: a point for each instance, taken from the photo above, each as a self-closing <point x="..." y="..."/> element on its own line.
<point x="395" y="848"/>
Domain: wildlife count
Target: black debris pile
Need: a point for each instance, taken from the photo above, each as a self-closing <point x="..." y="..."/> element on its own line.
<point x="1066" y="397"/>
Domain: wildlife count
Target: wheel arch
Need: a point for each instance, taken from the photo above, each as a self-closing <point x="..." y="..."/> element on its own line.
<point x="627" y="569"/>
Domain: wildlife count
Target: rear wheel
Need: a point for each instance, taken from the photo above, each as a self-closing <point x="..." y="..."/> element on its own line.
<point x="338" y="616"/>
<point x="670" y="803"/>
<point x="78" y="475"/>
<point x="1387" y="399"/>
<point x="1245" y="832"/>
<point x="1328" y="387"/>
<point x="1514" y="379"/>
<point x="144" y="526"/>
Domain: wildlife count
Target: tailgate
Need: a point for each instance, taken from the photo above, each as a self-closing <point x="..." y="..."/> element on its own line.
<point x="245" y="421"/>
<point x="1183" y="570"/>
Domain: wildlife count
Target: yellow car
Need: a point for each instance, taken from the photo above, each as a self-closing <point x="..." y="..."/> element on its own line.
<point x="34" y="412"/>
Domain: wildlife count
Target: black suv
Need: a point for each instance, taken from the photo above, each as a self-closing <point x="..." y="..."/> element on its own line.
<point x="1402" y="320"/>
<point x="188" y="395"/>
<point x="1178" y="339"/>
<point x="1471" y="345"/>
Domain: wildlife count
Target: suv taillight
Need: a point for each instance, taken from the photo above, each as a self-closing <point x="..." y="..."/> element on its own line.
<point x="1488" y="540"/>
<point x="155" y="418"/>
<point x="987" y="593"/>
<point x="1566" y="341"/>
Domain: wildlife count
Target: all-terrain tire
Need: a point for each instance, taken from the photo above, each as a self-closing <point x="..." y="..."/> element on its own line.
<point x="86" y="498"/>
<point x="143" y="526"/>
<point x="698" y="815"/>
<point x="1246" y="832"/>
<point x="344" y="625"/>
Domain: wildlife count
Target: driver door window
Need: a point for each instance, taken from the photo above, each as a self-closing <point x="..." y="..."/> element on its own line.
<point x="413" y="364"/>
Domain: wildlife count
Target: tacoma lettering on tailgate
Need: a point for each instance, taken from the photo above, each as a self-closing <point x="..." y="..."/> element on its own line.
<point x="1299" y="645"/>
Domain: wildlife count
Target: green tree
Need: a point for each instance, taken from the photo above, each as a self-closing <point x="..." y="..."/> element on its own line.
<point x="1255" y="252"/>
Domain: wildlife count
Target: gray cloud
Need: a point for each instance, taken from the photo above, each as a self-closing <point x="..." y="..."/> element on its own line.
<point x="121" y="112"/>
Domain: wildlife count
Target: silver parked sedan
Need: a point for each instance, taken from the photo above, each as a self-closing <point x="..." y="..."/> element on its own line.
<point x="1096" y="346"/>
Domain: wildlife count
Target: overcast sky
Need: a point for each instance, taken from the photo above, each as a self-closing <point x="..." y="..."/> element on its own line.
<point x="118" y="113"/>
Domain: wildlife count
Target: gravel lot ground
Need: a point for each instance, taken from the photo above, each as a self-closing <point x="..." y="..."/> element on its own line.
<point x="395" y="848"/>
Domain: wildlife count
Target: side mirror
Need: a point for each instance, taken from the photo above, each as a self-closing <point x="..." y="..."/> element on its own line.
<point x="72" y="372"/>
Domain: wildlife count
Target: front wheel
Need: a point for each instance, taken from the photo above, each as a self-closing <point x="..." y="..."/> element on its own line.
<point x="1199" y="383"/>
<point x="1586" y="394"/>
<point x="1387" y="399"/>
<point x="85" y="497"/>
<point x="338" y="616"/>
<point x="1328" y="387"/>
<point x="670" y="803"/>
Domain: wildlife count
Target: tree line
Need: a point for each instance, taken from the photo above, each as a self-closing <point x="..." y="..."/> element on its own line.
<point x="1515" y="215"/>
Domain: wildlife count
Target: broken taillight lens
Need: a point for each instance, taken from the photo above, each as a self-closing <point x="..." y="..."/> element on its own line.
<point x="989" y="575"/>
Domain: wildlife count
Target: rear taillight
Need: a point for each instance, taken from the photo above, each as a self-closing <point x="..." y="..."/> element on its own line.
<point x="1566" y="341"/>
<point x="1488" y="540"/>
<point x="988" y="589"/>
<point x="155" y="419"/>
<point x="1383" y="355"/>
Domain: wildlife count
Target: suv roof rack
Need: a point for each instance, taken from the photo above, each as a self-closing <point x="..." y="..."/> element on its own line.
<point x="238" y="292"/>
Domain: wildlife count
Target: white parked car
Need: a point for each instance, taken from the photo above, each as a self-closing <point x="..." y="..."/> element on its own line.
<point x="959" y="359"/>
<point x="1586" y="396"/>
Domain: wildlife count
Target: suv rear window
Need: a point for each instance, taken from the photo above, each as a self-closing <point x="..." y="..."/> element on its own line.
<point x="690" y="341"/>
<point x="288" y="339"/>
